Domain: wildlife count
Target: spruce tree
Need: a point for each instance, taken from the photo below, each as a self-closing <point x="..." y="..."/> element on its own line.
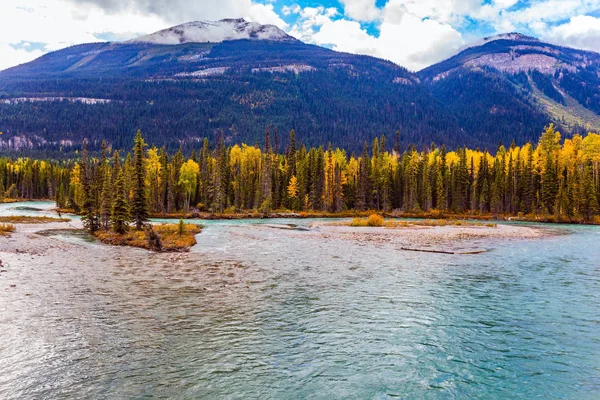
<point x="119" y="216"/>
<point x="266" y="177"/>
<point x="106" y="189"/>
<point x="363" y="191"/>
<point x="139" y="204"/>
<point x="590" y="200"/>
<point x="90" y="204"/>
<point x="549" y="185"/>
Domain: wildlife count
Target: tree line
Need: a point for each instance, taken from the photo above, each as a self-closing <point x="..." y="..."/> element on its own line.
<point x="552" y="177"/>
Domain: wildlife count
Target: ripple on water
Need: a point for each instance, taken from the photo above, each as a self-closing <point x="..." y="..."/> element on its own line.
<point x="261" y="312"/>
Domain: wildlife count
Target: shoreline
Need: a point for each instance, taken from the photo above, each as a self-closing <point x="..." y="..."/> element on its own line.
<point x="408" y="238"/>
<point x="445" y="239"/>
<point x="286" y="214"/>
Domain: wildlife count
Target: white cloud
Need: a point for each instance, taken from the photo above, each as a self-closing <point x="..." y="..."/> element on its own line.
<point x="56" y="24"/>
<point x="413" y="33"/>
<point x="288" y="10"/>
<point x="581" y="32"/>
<point x="310" y="18"/>
<point x="404" y="38"/>
<point x="535" y="17"/>
<point x="361" y="10"/>
<point x="347" y="36"/>
<point x="265" y="14"/>
<point x="174" y="12"/>
<point x="10" y="56"/>
<point x="444" y="11"/>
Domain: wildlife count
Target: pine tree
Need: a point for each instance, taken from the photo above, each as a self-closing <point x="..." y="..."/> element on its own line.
<point x="549" y="185"/>
<point x="441" y="186"/>
<point x="363" y="192"/>
<point x="106" y="189"/>
<point x="139" y="204"/>
<point x="181" y="226"/>
<point x="119" y="216"/>
<point x="590" y="200"/>
<point x="219" y="176"/>
<point x="266" y="195"/>
<point x="90" y="204"/>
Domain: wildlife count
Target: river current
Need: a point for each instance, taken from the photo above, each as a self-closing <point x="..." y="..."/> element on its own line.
<point x="309" y="318"/>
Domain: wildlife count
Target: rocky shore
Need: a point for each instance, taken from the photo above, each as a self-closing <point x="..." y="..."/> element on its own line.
<point x="444" y="239"/>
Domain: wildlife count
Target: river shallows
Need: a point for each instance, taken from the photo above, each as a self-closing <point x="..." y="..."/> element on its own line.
<point x="266" y="313"/>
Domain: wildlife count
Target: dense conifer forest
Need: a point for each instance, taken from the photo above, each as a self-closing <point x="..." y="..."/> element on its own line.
<point x="555" y="178"/>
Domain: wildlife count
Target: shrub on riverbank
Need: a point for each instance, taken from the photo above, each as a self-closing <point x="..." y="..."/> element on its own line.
<point x="7" y="229"/>
<point x="376" y="220"/>
<point x="372" y="220"/>
<point x="165" y="237"/>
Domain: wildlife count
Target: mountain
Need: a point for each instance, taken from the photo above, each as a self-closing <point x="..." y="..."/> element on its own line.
<point x="518" y="83"/>
<point x="193" y="81"/>
<point x="232" y="77"/>
<point x="215" y="32"/>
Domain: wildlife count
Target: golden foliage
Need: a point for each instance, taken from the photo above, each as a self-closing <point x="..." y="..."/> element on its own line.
<point x="170" y="237"/>
<point x="378" y="221"/>
<point x="7" y="229"/>
<point x="372" y="220"/>
<point x="292" y="188"/>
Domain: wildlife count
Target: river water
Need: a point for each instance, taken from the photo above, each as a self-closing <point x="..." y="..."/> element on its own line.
<point x="308" y="318"/>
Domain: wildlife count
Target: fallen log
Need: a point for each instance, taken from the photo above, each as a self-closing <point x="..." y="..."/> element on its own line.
<point x="444" y="251"/>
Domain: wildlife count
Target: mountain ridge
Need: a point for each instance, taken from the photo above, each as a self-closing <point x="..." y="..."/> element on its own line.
<point x="180" y="91"/>
<point x="214" y="32"/>
<point x="537" y="74"/>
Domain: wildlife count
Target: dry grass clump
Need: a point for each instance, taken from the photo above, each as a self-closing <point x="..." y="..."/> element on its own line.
<point x="22" y="219"/>
<point x="378" y="221"/>
<point x="7" y="229"/>
<point x="372" y="220"/>
<point x="171" y="236"/>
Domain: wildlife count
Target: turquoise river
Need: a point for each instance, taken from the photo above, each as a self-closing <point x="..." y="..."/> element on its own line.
<point x="266" y="313"/>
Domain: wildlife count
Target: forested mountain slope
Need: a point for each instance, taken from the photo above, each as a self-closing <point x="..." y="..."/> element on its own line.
<point x="198" y="79"/>
<point x="517" y="83"/>
<point x="180" y="93"/>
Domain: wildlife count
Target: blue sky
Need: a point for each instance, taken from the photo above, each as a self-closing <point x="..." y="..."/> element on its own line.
<point x="412" y="33"/>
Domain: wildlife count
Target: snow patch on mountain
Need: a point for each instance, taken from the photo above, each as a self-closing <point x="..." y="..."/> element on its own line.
<point x="204" y="72"/>
<point x="512" y="63"/>
<point x="295" y="68"/>
<point x="214" y="32"/>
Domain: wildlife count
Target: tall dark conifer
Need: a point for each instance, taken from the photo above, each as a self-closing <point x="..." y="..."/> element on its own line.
<point x="89" y="186"/>
<point x="139" y="204"/>
<point x="119" y="216"/>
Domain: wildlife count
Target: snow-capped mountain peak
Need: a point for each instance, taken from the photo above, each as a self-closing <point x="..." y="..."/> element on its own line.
<point x="215" y="32"/>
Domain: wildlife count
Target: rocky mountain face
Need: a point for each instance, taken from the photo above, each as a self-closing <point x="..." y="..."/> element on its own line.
<point x="518" y="77"/>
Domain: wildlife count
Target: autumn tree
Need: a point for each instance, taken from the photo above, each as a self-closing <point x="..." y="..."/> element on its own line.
<point x="188" y="180"/>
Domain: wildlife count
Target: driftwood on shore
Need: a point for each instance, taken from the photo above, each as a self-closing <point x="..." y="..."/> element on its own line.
<point x="444" y="251"/>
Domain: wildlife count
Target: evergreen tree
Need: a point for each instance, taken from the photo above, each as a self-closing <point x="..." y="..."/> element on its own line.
<point x="89" y="186"/>
<point x="139" y="204"/>
<point x="106" y="189"/>
<point x="549" y="185"/>
<point x="119" y="216"/>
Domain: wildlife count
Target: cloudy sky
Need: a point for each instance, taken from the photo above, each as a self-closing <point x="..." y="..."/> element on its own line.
<point x="412" y="33"/>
